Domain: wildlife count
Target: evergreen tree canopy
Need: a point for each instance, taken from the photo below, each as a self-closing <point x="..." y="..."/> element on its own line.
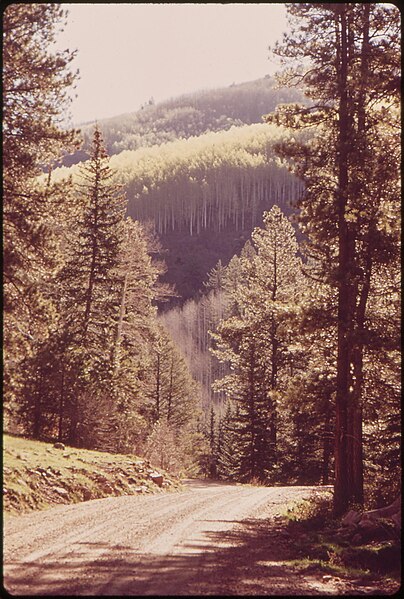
<point x="254" y="340"/>
<point x="35" y="84"/>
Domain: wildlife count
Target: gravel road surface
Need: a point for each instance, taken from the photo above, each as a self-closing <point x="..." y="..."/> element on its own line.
<point x="203" y="540"/>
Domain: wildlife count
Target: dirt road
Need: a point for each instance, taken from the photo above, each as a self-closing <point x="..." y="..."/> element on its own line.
<point x="212" y="538"/>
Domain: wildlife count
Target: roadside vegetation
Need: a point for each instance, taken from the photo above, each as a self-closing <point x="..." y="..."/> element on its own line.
<point x="321" y="544"/>
<point x="38" y="475"/>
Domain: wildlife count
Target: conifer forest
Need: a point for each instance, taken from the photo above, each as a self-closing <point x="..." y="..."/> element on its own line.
<point x="212" y="282"/>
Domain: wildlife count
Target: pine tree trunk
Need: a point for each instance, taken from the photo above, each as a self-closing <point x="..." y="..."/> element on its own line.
<point x="74" y="419"/>
<point x="94" y="254"/>
<point x="61" y="403"/>
<point x="354" y="440"/>
<point x="356" y="428"/>
<point x="327" y="445"/>
<point x="170" y="390"/>
<point x="252" y="414"/>
<point x="90" y="288"/>
<point x="37" y="421"/>
<point x="356" y="436"/>
<point x="274" y="358"/>
<point x="158" y="382"/>
<point x="273" y="386"/>
<point x="342" y="490"/>
<point x="327" y="450"/>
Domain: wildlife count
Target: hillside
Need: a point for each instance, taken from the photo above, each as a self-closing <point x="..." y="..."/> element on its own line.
<point x="206" y="194"/>
<point x="38" y="475"/>
<point x="189" y="115"/>
<point x="192" y="189"/>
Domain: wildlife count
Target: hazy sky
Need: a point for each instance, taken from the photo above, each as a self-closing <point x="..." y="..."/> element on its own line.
<point x="128" y="53"/>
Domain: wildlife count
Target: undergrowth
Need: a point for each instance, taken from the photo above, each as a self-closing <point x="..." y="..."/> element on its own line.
<point x="319" y="546"/>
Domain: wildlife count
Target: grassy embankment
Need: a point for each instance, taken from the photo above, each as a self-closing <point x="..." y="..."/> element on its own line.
<point x="37" y="475"/>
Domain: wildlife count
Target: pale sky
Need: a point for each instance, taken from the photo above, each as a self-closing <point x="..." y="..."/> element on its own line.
<point x="128" y="53"/>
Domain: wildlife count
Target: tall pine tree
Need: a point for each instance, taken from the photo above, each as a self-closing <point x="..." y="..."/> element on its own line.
<point x="350" y="170"/>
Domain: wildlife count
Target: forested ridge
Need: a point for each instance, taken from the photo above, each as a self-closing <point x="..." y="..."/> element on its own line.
<point x="205" y="182"/>
<point x="187" y="116"/>
<point x="280" y="361"/>
<point x="193" y="189"/>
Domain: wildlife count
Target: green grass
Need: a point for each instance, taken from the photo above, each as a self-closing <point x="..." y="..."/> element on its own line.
<point x="318" y="547"/>
<point x="326" y="567"/>
<point x="36" y="475"/>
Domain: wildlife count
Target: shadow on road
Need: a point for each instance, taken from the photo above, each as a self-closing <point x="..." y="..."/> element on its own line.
<point x="244" y="561"/>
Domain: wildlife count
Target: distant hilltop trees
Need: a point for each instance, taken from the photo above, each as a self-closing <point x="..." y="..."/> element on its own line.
<point x="189" y="115"/>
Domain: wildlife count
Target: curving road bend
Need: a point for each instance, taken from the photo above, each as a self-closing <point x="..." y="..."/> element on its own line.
<point x="168" y="544"/>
